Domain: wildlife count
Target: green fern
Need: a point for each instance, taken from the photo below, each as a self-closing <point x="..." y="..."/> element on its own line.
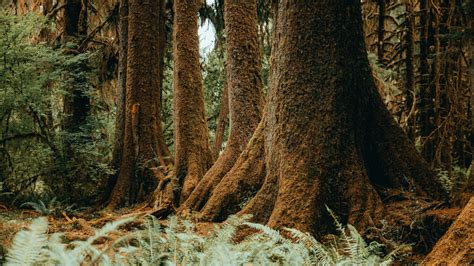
<point x="178" y="243"/>
<point x="28" y="245"/>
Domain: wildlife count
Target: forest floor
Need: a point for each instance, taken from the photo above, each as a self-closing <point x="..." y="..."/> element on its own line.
<point x="409" y="222"/>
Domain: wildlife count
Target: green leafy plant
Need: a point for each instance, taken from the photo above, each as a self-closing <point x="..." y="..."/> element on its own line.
<point x="51" y="207"/>
<point x="179" y="243"/>
<point x="34" y="78"/>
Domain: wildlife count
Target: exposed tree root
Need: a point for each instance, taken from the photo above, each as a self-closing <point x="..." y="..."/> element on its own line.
<point x="240" y="183"/>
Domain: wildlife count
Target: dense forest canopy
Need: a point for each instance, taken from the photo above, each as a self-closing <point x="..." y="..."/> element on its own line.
<point x="302" y="128"/>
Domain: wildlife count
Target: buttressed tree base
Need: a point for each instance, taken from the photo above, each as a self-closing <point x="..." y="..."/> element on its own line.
<point x="326" y="136"/>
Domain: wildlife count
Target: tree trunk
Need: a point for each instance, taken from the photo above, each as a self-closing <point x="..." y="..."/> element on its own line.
<point x="328" y="138"/>
<point x="381" y="32"/>
<point x="192" y="153"/>
<point x="142" y="154"/>
<point x="456" y="246"/>
<point x="468" y="190"/>
<point x="76" y="102"/>
<point x="120" y="99"/>
<point x="245" y="85"/>
<point x="425" y="98"/>
<point x="222" y="121"/>
<point x="410" y="71"/>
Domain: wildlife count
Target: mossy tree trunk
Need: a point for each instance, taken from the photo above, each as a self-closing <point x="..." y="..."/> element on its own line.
<point x="455" y="247"/>
<point x="192" y="156"/>
<point x="76" y="102"/>
<point x="142" y="151"/>
<point x="326" y="136"/>
<point x="121" y="84"/>
<point x="245" y="88"/>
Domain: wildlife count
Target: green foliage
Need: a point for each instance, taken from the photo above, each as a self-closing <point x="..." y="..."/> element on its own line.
<point x="179" y="244"/>
<point x="453" y="181"/>
<point x="27" y="246"/>
<point x="49" y="207"/>
<point x="34" y="78"/>
<point x="213" y="81"/>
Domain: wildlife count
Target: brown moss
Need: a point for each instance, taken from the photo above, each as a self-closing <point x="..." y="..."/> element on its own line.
<point x="192" y="154"/>
<point x="143" y="150"/>
<point x="456" y="247"/>
<point x="328" y="139"/>
<point x="244" y="81"/>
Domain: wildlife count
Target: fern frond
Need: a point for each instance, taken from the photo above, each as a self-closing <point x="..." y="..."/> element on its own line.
<point x="322" y="255"/>
<point x="272" y="233"/>
<point x="28" y="244"/>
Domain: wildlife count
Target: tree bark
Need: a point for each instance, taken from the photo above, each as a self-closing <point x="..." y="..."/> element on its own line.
<point x="410" y="71"/>
<point x="222" y="121"/>
<point x="468" y="190"/>
<point x="455" y="247"/>
<point x="425" y="105"/>
<point x="328" y="138"/>
<point x="76" y="102"/>
<point x="120" y="99"/>
<point x="142" y="154"/>
<point x="121" y="83"/>
<point x="381" y="32"/>
<point x="245" y="85"/>
<point x="192" y="153"/>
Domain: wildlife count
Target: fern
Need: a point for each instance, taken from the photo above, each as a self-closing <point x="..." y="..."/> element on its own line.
<point x="27" y="246"/>
<point x="179" y="244"/>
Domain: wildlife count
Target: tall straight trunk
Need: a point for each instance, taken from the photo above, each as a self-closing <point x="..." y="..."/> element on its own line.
<point x="326" y="136"/>
<point x="120" y="99"/>
<point x="76" y="101"/>
<point x="245" y="88"/>
<point x="192" y="153"/>
<point x="425" y="98"/>
<point x="468" y="189"/>
<point x="381" y="31"/>
<point x="409" y="68"/>
<point x="470" y="185"/>
<point x="142" y="154"/>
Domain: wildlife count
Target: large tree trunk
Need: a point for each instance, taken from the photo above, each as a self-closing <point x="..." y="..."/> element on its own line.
<point x="245" y="84"/>
<point x="120" y="98"/>
<point x="468" y="190"/>
<point x="121" y="84"/>
<point x="142" y="153"/>
<point x="76" y="102"/>
<point x="456" y="246"/>
<point x="192" y="153"/>
<point x="328" y="138"/>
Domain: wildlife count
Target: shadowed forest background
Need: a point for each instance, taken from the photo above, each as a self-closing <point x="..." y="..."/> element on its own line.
<point x="301" y="133"/>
